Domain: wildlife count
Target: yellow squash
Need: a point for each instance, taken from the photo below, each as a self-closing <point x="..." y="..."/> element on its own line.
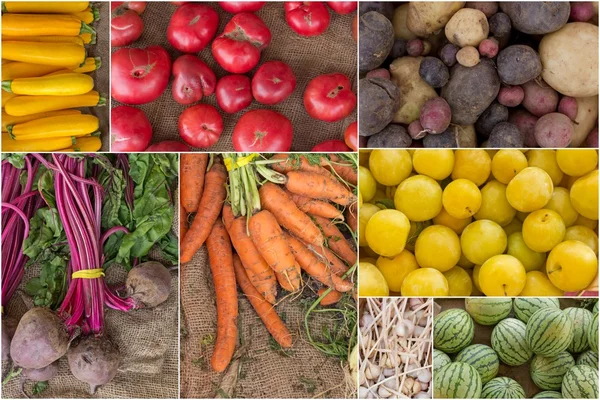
<point x="16" y="70"/>
<point x="11" y="120"/>
<point x="46" y="39"/>
<point x="44" y="7"/>
<point x="51" y="127"/>
<point x="91" y="64"/>
<point x="43" y="25"/>
<point x="85" y="144"/>
<point x="88" y="38"/>
<point x="67" y="84"/>
<point x="11" y="145"/>
<point x="26" y="105"/>
<point x="57" y="54"/>
<point x="6" y="97"/>
<point x="88" y="15"/>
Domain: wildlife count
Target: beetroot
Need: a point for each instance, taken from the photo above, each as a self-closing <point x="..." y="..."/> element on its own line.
<point x="94" y="360"/>
<point x="41" y="374"/>
<point x="149" y="284"/>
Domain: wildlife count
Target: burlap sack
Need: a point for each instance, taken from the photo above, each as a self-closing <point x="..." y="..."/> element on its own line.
<point x="262" y="372"/>
<point x="333" y="51"/>
<point x="102" y="76"/>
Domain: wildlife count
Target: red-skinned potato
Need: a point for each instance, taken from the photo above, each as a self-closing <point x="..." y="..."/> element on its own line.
<point x="192" y="27"/>
<point x="329" y="97"/>
<point x="343" y="7"/>
<point x="137" y="6"/>
<point x="193" y="79"/>
<point x="331" y="145"/>
<point x="168" y="146"/>
<point x="263" y="130"/>
<point x="351" y="136"/>
<point x="130" y="129"/>
<point x="238" y="48"/>
<point x="139" y="76"/>
<point x="308" y="18"/>
<point x="273" y="82"/>
<point x="126" y="25"/>
<point x="200" y="125"/>
<point x="234" y="93"/>
<point x="235" y="7"/>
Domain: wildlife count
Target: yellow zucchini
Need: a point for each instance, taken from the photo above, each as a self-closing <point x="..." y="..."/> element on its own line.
<point x="16" y="70"/>
<point x="26" y="105"/>
<point x="88" y="38"/>
<point x="91" y="64"/>
<point x="6" y="97"/>
<point x="88" y="15"/>
<point x="4" y="62"/>
<point x="68" y="84"/>
<point x="58" y="54"/>
<point x="59" y="126"/>
<point x="87" y="144"/>
<point x="44" y="7"/>
<point x="13" y="146"/>
<point x="43" y="25"/>
<point x="46" y="39"/>
<point x="11" y="120"/>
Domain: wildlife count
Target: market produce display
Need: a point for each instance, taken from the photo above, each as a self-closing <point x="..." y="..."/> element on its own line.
<point x="243" y="76"/>
<point x="395" y="348"/>
<point x="441" y="222"/>
<point x="50" y="88"/>
<point x="82" y="230"/>
<point x="478" y="74"/>
<point x="281" y="228"/>
<point x="552" y="354"/>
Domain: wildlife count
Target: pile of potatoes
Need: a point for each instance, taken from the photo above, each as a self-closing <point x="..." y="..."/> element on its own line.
<point x="478" y="74"/>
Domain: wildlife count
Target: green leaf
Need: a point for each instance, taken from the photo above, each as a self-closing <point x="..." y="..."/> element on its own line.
<point x="39" y="387"/>
<point x="16" y="159"/>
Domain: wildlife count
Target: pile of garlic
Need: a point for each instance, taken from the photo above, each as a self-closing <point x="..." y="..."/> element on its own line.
<point x="395" y="348"/>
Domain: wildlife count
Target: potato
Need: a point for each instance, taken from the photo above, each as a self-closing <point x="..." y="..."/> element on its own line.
<point x="537" y="17"/>
<point x="398" y="49"/>
<point x="505" y="134"/>
<point x="568" y="106"/>
<point x="492" y="116"/>
<point x="582" y="11"/>
<point x="489" y="8"/>
<point x="448" y="54"/>
<point x="500" y="25"/>
<point x="468" y="27"/>
<point x="518" y="64"/>
<point x="511" y="96"/>
<point x="379" y="99"/>
<point x="570" y="59"/>
<point x="376" y="40"/>
<point x="553" y="130"/>
<point x="471" y="90"/>
<point x="399" y="21"/>
<point x="435" y="115"/>
<point x="392" y="136"/>
<point x="383" y="7"/>
<point x="416" y="131"/>
<point x="453" y="137"/>
<point x="434" y="72"/>
<point x="415" y="47"/>
<point x="586" y="119"/>
<point x="468" y="56"/>
<point x="489" y="47"/>
<point x="525" y="121"/>
<point x="539" y="98"/>
<point x="592" y="139"/>
<point x="379" y="73"/>
<point x="425" y="18"/>
<point x="414" y="91"/>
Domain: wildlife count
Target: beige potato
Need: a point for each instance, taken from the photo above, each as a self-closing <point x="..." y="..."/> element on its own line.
<point x="399" y="21"/>
<point x="570" y="59"/>
<point x="468" y="27"/>
<point x="414" y="91"/>
<point x="585" y="121"/>
<point x="465" y="136"/>
<point x="468" y="56"/>
<point x="425" y="18"/>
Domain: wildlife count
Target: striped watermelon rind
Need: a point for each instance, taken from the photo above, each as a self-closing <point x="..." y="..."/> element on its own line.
<point x="580" y="382"/>
<point x="440" y="359"/>
<point x="453" y="330"/>
<point x="593" y="334"/>
<point x="547" y="372"/>
<point x="589" y="358"/>
<point x="509" y="342"/>
<point x="549" y="331"/>
<point x="581" y="320"/>
<point x="548" y="394"/>
<point x="488" y="311"/>
<point x="457" y="381"/>
<point x="483" y="358"/>
<point x="525" y="307"/>
<point x="502" y="388"/>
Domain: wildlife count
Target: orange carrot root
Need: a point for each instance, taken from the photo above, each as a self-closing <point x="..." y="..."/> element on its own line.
<point x="193" y="169"/>
<point x="330" y="298"/>
<point x="288" y="164"/>
<point x="317" y="186"/>
<point x="343" y="168"/>
<point x="316" y="207"/>
<point x="336" y="240"/>
<point x="336" y="265"/>
<point x="352" y="217"/>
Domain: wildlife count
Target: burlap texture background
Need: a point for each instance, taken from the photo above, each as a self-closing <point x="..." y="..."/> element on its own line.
<point x="333" y="51"/>
<point x="102" y="76"/>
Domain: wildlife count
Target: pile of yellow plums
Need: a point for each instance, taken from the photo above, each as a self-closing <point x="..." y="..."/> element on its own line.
<point x="439" y="222"/>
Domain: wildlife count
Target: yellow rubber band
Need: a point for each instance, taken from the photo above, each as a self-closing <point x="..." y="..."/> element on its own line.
<point x="229" y="164"/>
<point x="88" y="274"/>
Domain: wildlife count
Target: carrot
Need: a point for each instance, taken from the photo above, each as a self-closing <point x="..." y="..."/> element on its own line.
<point x="336" y="240"/>
<point x="301" y="163"/>
<point x="316" y="207"/>
<point x="341" y="167"/>
<point x="220" y="257"/>
<point x="317" y="186"/>
<point x="352" y="217"/>
<point x="271" y="244"/>
<point x="265" y="311"/>
<point x="337" y="266"/>
<point x="208" y="211"/>
<point x="330" y="298"/>
<point x="193" y="169"/>
<point x="274" y="199"/>
<point x="259" y="272"/>
<point x="314" y="267"/>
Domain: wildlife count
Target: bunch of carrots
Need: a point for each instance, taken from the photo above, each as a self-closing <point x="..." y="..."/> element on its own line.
<point x="280" y="215"/>
<point x="45" y="77"/>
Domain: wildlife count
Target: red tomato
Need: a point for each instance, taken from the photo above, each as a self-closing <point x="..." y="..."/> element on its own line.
<point x="233" y="93"/>
<point x="329" y="97"/>
<point x="126" y="26"/>
<point x="168" y="146"/>
<point x="235" y="7"/>
<point x="193" y="79"/>
<point x="273" y="82"/>
<point x="137" y="6"/>
<point x="351" y="136"/>
<point x="308" y="18"/>
<point x="238" y="48"/>
<point x="263" y="130"/>
<point x="192" y="27"/>
<point x="343" y="7"/>
<point x="130" y="129"/>
<point x="200" y="125"/>
<point x="331" y="145"/>
<point x="139" y="76"/>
